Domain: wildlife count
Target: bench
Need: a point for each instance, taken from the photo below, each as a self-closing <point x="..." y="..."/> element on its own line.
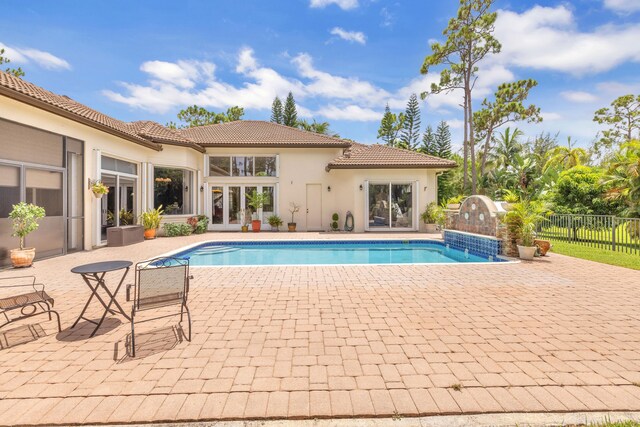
<point x="21" y="298"/>
<point x="125" y="235"/>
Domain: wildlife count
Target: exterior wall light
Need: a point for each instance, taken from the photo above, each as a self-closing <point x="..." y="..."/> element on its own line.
<point x="360" y="187"/>
<point x="329" y="188"/>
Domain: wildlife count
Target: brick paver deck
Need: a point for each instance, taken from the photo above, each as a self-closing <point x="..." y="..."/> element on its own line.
<point x="557" y="334"/>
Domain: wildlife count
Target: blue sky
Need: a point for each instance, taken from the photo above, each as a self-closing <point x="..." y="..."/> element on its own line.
<point x="343" y="59"/>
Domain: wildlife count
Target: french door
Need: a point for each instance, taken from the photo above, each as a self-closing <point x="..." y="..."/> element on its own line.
<point x="118" y="206"/>
<point x="230" y="207"/>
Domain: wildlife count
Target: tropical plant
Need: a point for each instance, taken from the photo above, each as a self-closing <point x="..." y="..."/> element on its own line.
<point x="523" y="218"/>
<point x="151" y="219"/>
<point x="25" y="217"/>
<point x="275" y="221"/>
<point x="566" y="157"/>
<point x="623" y="178"/>
<point x="433" y="214"/>
<point x="580" y="190"/>
<point x="256" y="200"/>
<point x="198" y="223"/>
<point x="322" y="128"/>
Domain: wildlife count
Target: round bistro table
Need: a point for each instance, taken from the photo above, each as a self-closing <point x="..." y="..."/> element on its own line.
<point x="94" y="276"/>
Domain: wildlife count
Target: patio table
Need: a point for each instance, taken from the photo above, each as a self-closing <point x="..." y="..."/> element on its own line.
<point x="94" y="276"/>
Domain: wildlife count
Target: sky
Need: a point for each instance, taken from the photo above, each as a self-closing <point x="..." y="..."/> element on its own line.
<point x="344" y="60"/>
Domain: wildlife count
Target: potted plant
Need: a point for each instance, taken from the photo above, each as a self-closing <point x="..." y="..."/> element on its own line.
<point x="334" y="221"/>
<point x="244" y="219"/>
<point x="25" y="218"/>
<point x="521" y="222"/>
<point x="453" y="203"/>
<point x="433" y="216"/>
<point x="256" y="201"/>
<point x="99" y="189"/>
<point x="151" y="222"/>
<point x="293" y="208"/>
<point x="275" y="222"/>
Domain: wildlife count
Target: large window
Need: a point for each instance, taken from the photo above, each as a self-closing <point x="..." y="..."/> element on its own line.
<point x="173" y="189"/>
<point x="390" y="205"/>
<point x="243" y="166"/>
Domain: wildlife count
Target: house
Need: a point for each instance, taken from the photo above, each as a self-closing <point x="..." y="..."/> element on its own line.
<point x="52" y="148"/>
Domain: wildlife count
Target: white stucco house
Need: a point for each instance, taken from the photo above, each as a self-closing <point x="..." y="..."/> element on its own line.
<point x="52" y="148"/>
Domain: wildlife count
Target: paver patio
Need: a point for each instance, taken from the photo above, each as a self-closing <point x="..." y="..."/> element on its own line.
<point x="558" y="334"/>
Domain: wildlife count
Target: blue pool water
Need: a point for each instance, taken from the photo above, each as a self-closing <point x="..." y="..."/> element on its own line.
<point x="325" y="253"/>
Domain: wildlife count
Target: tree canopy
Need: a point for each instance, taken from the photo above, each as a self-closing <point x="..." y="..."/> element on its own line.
<point x="198" y="116"/>
<point x="14" y="71"/>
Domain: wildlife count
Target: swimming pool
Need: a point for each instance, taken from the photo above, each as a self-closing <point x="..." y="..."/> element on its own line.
<point x="325" y="252"/>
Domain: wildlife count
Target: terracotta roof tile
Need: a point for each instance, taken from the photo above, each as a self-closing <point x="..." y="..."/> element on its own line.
<point x="377" y="156"/>
<point x="155" y="132"/>
<point x="255" y="133"/>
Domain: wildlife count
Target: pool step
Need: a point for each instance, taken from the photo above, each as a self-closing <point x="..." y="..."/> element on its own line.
<point x="209" y="250"/>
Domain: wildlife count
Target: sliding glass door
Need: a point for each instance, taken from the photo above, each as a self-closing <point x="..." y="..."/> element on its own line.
<point x="390" y="206"/>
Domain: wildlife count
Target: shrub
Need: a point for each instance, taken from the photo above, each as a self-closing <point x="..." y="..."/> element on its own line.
<point x="177" y="229"/>
<point x="198" y="223"/>
<point x="433" y="214"/>
<point x="274" y="221"/>
<point x="579" y="190"/>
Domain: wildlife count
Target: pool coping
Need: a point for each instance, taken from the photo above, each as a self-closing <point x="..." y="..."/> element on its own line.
<point x="503" y="259"/>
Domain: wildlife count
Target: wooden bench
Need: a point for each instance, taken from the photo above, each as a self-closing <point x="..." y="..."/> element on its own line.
<point x="125" y="235"/>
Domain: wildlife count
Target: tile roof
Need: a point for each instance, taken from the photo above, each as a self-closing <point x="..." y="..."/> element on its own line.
<point x="156" y="132"/>
<point x="255" y="133"/>
<point x="376" y="156"/>
<point x="244" y="133"/>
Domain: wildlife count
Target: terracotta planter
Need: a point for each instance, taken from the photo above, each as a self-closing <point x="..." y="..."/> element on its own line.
<point x="543" y="245"/>
<point x="150" y="234"/>
<point x="245" y="228"/>
<point x="526" y="252"/>
<point x="22" y="257"/>
<point x="255" y="225"/>
<point x="431" y="228"/>
<point x="291" y="226"/>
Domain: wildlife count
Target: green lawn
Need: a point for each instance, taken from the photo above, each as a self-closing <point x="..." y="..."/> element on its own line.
<point x="595" y="254"/>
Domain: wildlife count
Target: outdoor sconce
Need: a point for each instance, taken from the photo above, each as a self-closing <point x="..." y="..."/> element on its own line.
<point x="360" y="187"/>
<point x="329" y="188"/>
<point x="201" y="188"/>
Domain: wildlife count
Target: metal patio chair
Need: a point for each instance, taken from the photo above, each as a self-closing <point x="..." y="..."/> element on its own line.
<point x="159" y="283"/>
<point x="25" y="299"/>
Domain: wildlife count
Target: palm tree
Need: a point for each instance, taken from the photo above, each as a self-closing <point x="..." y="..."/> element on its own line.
<point x="623" y="177"/>
<point x="567" y="156"/>
<point x="507" y="148"/>
<point x="317" y="127"/>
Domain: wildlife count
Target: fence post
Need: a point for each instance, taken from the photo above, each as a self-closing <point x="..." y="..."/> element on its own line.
<point x="613" y="233"/>
<point x="569" y="227"/>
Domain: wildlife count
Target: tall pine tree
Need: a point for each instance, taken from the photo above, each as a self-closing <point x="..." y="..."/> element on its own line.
<point x="290" y="115"/>
<point x="428" y="142"/>
<point x="276" y="111"/>
<point x="411" y="129"/>
<point x="390" y="126"/>
<point x="442" y="142"/>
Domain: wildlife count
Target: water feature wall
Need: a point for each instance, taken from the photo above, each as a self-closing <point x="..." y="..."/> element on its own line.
<point x="476" y="227"/>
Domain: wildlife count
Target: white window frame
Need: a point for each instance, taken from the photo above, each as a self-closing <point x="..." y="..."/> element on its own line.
<point x="230" y="156"/>
<point x="225" y="202"/>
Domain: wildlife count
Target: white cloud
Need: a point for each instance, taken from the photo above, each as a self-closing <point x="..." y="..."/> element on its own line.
<point x="547" y="38"/>
<point x="349" y="112"/>
<point x="350" y="36"/>
<point x="578" y="96"/>
<point x="27" y="55"/>
<point x="549" y="116"/>
<point x="342" y="4"/>
<point x="388" y="18"/>
<point x="623" y="6"/>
